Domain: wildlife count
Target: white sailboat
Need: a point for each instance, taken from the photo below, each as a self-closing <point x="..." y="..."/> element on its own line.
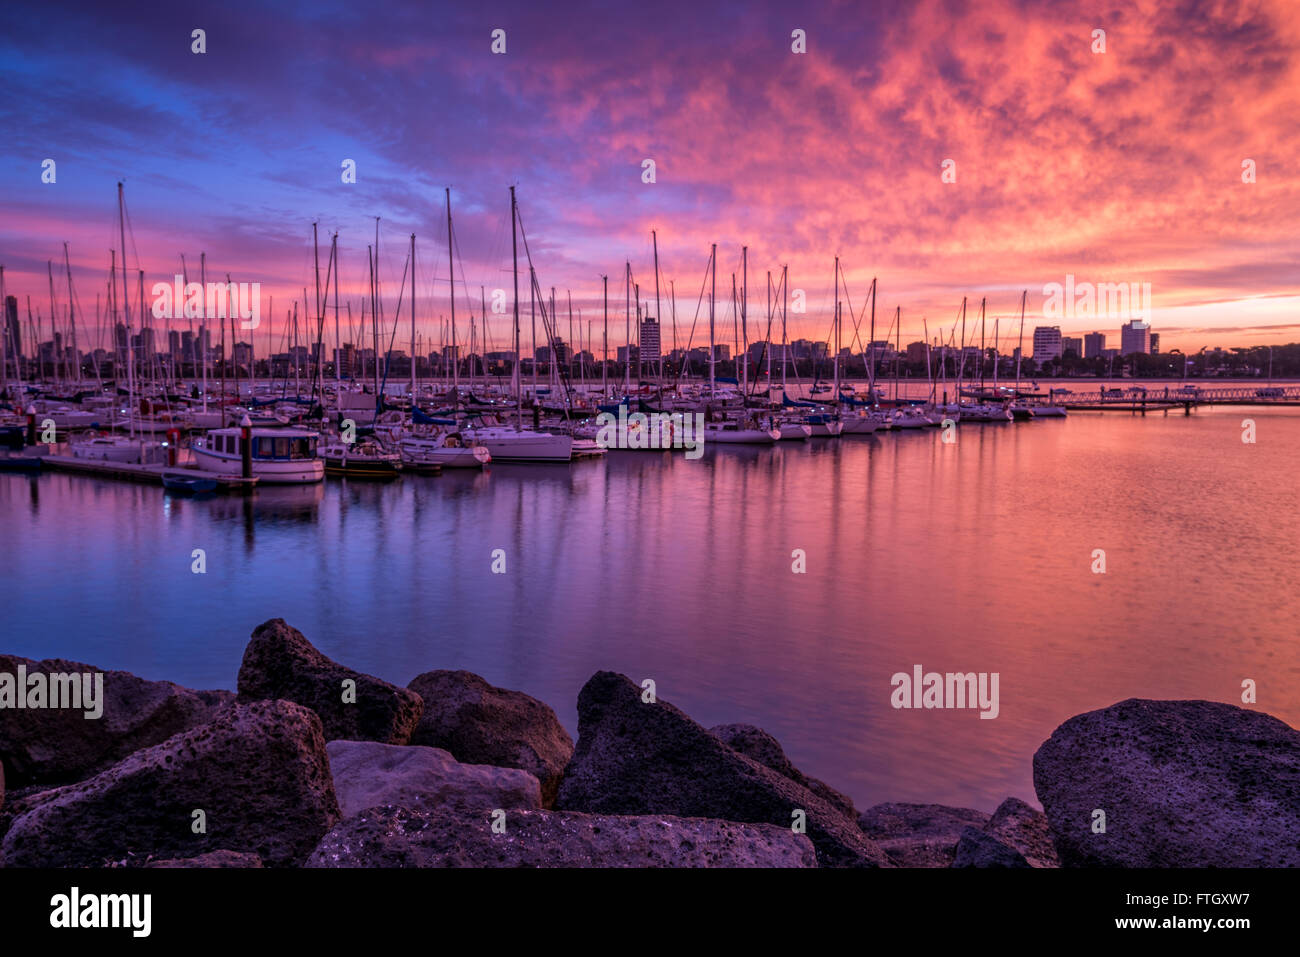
<point x="446" y="450"/>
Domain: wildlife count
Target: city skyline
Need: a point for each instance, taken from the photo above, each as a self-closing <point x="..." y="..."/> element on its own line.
<point x="1061" y="163"/>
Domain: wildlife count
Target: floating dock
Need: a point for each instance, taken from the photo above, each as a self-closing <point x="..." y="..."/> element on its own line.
<point x="150" y="474"/>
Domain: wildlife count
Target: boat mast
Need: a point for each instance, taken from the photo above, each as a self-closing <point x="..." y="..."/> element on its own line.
<point x="627" y="311"/>
<point x="996" y="322"/>
<point x="72" y="317"/>
<point x="1020" y="350"/>
<point x="451" y="281"/>
<point x="871" y="347"/>
<point x="604" y="365"/>
<point x="338" y="342"/>
<point x="654" y="239"/>
<point x="837" y="333"/>
<point x="898" y="342"/>
<point x="929" y="378"/>
<point x="961" y="362"/>
<point x="413" y="311"/>
<point x="514" y="249"/>
<point x="713" y="295"/>
<point x="126" y="312"/>
<point x="203" y="325"/>
<point x="785" y="341"/>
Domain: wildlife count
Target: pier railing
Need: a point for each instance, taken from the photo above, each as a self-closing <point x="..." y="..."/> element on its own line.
<point x="1147" y="397"/>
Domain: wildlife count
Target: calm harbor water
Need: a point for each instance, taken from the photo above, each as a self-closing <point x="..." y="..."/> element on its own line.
<point x="975" y="556"/>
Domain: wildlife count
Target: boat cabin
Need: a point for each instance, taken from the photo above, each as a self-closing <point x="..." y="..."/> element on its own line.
<point x="268" y="444"/>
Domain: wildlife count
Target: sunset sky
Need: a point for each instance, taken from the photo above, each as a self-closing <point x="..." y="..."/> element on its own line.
<point x="1122" y="166"/>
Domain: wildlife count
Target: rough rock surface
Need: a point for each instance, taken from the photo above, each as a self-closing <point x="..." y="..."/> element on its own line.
<point x="977" y="848"/>
<point x="61" y="745"/>
<point x="1182" y="784"/>
<point x="635" y="757"/>
<point x="212" y="859"/>
<point x="482" y="724"/>
<point x="279" y="663"/>
<point x="259" y="772"/>
<point x="919" y="835"/>
<point x="756" y="743"/>
<point x="369" y="774"/>
<point x="397" y="837"/>
<point x="1025" y="829"/>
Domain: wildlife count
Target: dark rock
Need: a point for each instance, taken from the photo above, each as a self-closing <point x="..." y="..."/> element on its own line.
<point x="1025" y="829"/>
<point x="482" y="724"/>
<point x="212" y="859"/>
<point x="370" y="774"/>
<point x="259" y="772"/>
<point x="61" y="745"/>
<point x="756" y="743"/>
<point x="397" y="837"/>
<point x="279" y="663"/>
<point x="639" y="758"/>
<point x="919" y="835"/>
<point x="975" y="848"/>
<point x="18" y="802"/>
<point x="1182" y="784"/>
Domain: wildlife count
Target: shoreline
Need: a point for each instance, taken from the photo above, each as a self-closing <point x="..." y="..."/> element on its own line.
<point x="313" y="764"/>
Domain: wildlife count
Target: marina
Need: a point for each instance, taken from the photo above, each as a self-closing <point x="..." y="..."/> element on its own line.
<point x="969" y="555"/>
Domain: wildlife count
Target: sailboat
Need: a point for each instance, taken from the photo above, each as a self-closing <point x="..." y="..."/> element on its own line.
<point x="123" y="448"/>
<point x="518" y="444"/>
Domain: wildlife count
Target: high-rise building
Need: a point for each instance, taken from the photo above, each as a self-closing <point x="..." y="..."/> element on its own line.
<point x="1094" y="344"/>
<point x="344" y="359"/>
<point x="1072" y="344"/>
<point x="1047" y="343"/>
<point x="1134" y="337"/>
<point x="649" y="339"/>
<point x="1155" y="342"/>
<point x="916" y="352"/>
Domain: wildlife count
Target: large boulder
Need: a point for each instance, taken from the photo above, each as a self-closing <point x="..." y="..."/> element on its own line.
<point x="61" y="745"/>
<point x="368" y="774"/>
<point x="919" y="835"/>
<point x="754" y="742"/>
<point x="1025" y="830"/>
<point x="398" y="837"/>
<point x="279" y="663"/>
<point x="635" y="757"/>
<point x="1181" y="783"/>
<point x="258" y="772"/>
<point x="211" y="859"/>
<point x="482" y="724"/>
<point x="978" y="848"/>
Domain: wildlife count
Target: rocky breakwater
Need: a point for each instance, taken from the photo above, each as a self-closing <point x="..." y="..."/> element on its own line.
<point x="315" y="764"/>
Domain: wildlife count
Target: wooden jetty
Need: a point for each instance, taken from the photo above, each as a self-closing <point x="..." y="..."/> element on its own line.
<point x="1139" y="399"/>
<point x="151" y="474"/>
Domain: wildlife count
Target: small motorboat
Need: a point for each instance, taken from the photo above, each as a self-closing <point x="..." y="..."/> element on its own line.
<point x="188" y="483"/>
<point x="442" y="450"/>
<point x="364" y="459"/>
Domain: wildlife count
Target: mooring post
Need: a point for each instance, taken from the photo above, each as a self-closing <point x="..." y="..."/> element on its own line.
<point x="246" y="447"/>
